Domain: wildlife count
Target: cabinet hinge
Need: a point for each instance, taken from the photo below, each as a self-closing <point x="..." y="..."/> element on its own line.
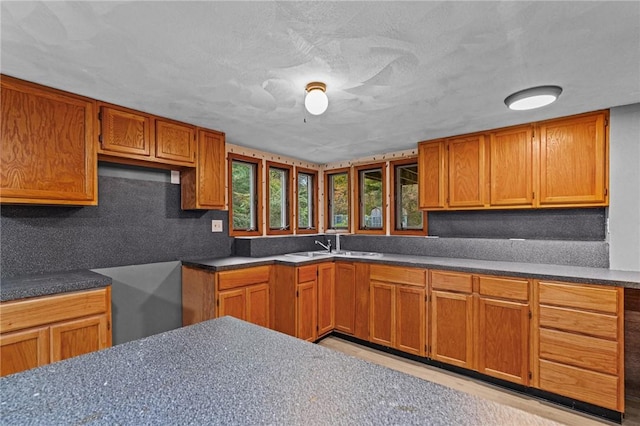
<point x="530" y="375"/>
<point x="297" y="293"/>
<point x="606" y="191"/>
<point x="218" y="303"/>
<point x="533" y="195"/>
<point x="100" y="116"/>
<point x="100" y="138"/>
<point x="606" y="122"/>
<point x="530" y="315"/>
<point x="108" y="325"/>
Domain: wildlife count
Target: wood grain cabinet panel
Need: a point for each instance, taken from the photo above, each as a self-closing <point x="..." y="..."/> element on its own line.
<point x="306" y="311"/>
<point x="203" y="187"/>
<point x="411" y="320"/>
<point x="125" y="131"/>
<point x="466" y="171"/>
<point x="23" y="350"/>
<point x="258" y="305"/>
<point x="574" y="161"/>
<point x="40" y="330"/>
<point x="511" y="165"/>
<point x="326" y="298"/>
<point x="382" y="319"/>
<point x="452" y="328"/>
<point x="175" y="142"/>
<point x="345" y="309"/>
<point x="47" y="148"/>
<point x="233" y="303"/>
<point x="432" y="172"/>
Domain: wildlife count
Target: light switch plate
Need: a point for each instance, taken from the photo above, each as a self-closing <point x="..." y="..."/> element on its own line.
<point x="216" y="226"/>
<point x="175" y="177"/>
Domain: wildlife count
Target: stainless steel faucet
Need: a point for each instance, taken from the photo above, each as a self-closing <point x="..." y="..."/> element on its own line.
<point x="327" y="246"/>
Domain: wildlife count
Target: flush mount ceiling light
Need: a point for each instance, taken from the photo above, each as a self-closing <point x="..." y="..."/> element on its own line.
<point x="316" y="101"/>
<point x="534" y="97"/>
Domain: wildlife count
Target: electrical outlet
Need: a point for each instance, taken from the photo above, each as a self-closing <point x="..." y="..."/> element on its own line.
<point x="175" y="177"/>
<point x="216" y="226"/>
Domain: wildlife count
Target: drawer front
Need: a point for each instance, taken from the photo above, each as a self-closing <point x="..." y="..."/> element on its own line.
<point x="506" y="288"/>
<point x="451" y="281"/>
<point x="37" y="311"/>
<point x="394" y="274"/>
<point x="591" y="323"/>
<point x="243" y="277"/>
<point x="306" y="273"/>
<point x="584" y="385"/>
<point x="593" y="298"/>
<point x="580" y="351"/>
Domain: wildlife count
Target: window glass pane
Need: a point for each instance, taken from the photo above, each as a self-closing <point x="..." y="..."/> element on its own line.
<point x="278" y="198"/>
<point x="371" y="199"/>
<point x="339" y="201"/>
<point x="243" y="177"/>
<point x="305" y="201"/>
<point x="407" y="214"/>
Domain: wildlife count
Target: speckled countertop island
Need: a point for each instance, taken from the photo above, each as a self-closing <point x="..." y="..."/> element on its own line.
<point x="47" y="284"/>
<point x="227" y="371"/>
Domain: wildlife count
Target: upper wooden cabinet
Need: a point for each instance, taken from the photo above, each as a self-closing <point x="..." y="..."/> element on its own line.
<point x="134" y="137"/>
<point x="556" y="163"/>
<point x="47" y="151"/>
<point x="204" y="186"/>
<point x="574" y="161"/>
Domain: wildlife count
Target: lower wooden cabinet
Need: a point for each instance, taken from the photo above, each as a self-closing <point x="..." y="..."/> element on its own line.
<point x="37" y="331"/>
<point x="579" y="342"/>
<point x="326" y="298"/>
<point x="241" y="293"/>
<point x="398" y="308"/>
<point x="345" y="298"/>
<point x="306" y="310"/>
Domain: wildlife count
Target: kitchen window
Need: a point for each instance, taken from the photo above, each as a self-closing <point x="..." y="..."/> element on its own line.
<point x="371" y="198"/>
<point x="337" y="194"/>
<point x="406" y="218"/>
<point x="307" y="201"/>
<point x="279" y="184"/>
<point x="245" y="183"/>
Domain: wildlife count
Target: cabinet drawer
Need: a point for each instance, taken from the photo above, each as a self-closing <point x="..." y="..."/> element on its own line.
<point x="451" y="281"/>
<point x="594" y="298"/>
<point x="584" y="385"/>
<point x="306" y="273"/>
<point x="243" y="277"/>
<point x="592" y="323"/>
<point x="506" y="288"/>
<point x="395" y="274"/>
<point x="580" y="351"/>
<point x="33" y="312"/>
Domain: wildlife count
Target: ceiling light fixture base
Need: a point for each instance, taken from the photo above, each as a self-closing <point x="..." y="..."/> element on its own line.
<point x="533" y="97"/>
<point x="316" y="101"/>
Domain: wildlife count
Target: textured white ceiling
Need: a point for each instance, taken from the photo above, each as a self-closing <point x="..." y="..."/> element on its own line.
<point x="396" y="72"/>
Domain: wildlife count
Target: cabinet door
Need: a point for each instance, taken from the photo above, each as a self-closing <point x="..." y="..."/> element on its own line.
<point x="326" y="298"/>
<point x="411" y="320"/>
<point x="47" y="147"/>
<point x="382" y="321"/>
<point x="258" y="304"/>
<point x="175" y="142"/>
<point x="503" y="339"/>
<point x="345" y="298"/>
<point x="79" y="337"/>
<point x="466" y="171"/>
<point x="23" y="350"/>
<point x="573" y="161"/>
<point x="306" y="311"/>
<point x="451" y="328"/>
<point x="432" y="175"/>
<point x="232" y="303"/>
<point x="126" y="132"/>
<point x="204" y="186"/>
<point x="511" y="159"/>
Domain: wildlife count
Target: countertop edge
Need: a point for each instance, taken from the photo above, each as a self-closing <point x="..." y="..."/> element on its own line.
<point x="38" y="285"/>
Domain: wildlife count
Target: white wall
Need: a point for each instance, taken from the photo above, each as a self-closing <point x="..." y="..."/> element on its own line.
<point x="624" y="199"/>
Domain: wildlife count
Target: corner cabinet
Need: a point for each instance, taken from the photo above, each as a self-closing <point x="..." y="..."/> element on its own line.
<point x="555" y="163"/>
<point x="41" y="330"/>
<point x="47" y="148"/>
<point x="240" y="293"/>
<point x="203" y="187"/>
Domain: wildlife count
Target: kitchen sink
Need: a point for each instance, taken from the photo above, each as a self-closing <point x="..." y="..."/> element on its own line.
<point x="357" y="253"/>
<point x="309" y="254"/>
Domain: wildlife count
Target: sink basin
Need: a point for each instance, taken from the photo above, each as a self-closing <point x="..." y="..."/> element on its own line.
<point x="357" y="253"/>
<point x="309" y="254"/>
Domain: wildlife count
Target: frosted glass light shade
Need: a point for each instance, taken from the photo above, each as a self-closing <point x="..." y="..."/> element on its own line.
<point x="316" y="101"/>
<point x="532" y="98"/>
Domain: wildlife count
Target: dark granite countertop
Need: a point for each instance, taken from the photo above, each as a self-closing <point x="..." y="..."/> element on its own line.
<point x="577" y="274"/>
<point x="47" y="284"/>
<point x="226" y="371"/>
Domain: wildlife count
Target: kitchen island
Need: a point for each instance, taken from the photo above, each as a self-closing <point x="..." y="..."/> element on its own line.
<point x="226" y="371"/>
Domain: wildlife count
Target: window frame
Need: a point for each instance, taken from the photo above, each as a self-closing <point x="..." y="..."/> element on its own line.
<point x="289" y="198"/>
<point x="231" y="157"/>
<point x="359" y="229"/>
<point x="314" y="197"/>
<point x="327" y="204"/>
<point x="393" y="202"/>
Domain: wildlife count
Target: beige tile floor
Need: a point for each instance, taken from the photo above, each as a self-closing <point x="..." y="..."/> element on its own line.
<point x="475" y="387"/>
